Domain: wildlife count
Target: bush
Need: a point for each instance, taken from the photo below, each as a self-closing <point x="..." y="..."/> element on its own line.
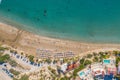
<point x="82" y="61"/>
<point x="87" y="62"/>
<point x="101" y="53"/>
<point x="1" y="54"/>
<point x="1" y="60"/>
<point x="22" y="53"/>
<point x="117" y="60"/>
<point x="15" y="79"/>
<point x="116" y="53"/>
<point x="12" y="51"/>
<point x="65" y="78"/>
<point x="4" y="58"/>
<point x="52" y="70"/>
<point x="95" y="59"/>
<point x="105" y="56"/>
<point x="89" y="56"/>
<point x="48" y="61"/>
<point x="118" y="77"/>
<point x="2" y="48"/>
<point x="31" y="58"/>
<point x="14" y="72"/>
<point x="13" y="63"/>
<point x="100" y="59"/>
<point x="95" y="54"/>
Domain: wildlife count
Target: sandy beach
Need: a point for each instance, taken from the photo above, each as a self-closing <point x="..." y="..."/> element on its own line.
<point x="29" y="42"/>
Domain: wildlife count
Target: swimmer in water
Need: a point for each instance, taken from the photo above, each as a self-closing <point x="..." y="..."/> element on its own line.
<point x="45" y="12"/>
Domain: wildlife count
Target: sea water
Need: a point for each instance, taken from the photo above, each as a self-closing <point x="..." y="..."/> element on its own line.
<point x="81" y="20"/>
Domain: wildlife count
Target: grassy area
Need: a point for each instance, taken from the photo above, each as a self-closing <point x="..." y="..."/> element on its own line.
<point x="89" y="56"/>
<point x="1" y="53"/>
<point x="117" y="61"/>
<point x="3" y="48"/>
<point x="24" y="77"/>
<point x="12" y="63"/>
<point x="64" y="78"/>
<point x="4" y="58"/>
<point x="82" y="60"/>
<point x="52" y="70"/>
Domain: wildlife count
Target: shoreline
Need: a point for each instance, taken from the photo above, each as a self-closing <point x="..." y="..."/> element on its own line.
<point x="42" y="33"/>
<point x="30" y="42"/>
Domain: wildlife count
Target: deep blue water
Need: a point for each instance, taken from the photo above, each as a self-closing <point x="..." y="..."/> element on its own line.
<point x="81" y="20"/>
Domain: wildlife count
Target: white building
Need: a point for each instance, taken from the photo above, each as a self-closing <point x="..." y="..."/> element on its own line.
<point x="64" y="67"/>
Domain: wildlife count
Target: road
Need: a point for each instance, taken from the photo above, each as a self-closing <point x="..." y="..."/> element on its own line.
<point x="3" y="75"/>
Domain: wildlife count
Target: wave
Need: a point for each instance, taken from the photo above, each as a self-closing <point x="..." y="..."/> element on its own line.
<point x="0" y="1"/>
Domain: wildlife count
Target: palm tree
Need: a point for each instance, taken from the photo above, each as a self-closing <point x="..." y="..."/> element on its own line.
<point x="16" y="52"/>
<point x="21" y="53"/>
<point x="26" y="55"/>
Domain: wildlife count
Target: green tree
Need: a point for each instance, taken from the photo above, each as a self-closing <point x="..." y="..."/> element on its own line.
<point x="21" y="53"/>
<point x="89" y="56"/>
<point x="2" y="48"/>
<point x="95" y="54"/>
<point x="117" y="60"/>
<point x="77" y="70"/>
<point x="48" y="60"/>
<point x="12" y="63"/>
<point x="65" y="78"/>
<point x="14" y="72"/>
<point x="95" y="59"/>
<point x="87" y="62"/>
<point x="101" y="59"/>
<point x="4" y="58"/>
<point x="82" y="61"/>
<point x="31" y="58"/>
<point x="24" y="77"/>
<point x="11" y="51"/>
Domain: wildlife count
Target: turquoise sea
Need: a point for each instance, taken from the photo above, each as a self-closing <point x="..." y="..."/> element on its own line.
<point x="81" y="20"/>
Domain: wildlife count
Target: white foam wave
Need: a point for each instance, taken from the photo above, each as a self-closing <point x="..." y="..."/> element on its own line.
<point x="0" y="1"/>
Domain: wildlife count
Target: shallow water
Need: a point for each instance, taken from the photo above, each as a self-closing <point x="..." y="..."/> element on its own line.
<point x="81" y="20"/>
